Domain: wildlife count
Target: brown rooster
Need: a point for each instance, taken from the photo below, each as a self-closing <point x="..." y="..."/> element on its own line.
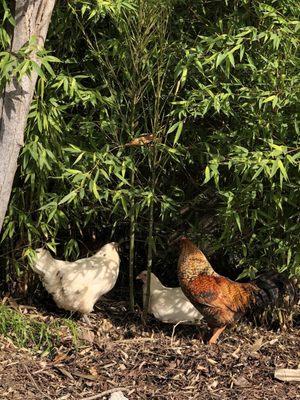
<point x="220" y="300"/>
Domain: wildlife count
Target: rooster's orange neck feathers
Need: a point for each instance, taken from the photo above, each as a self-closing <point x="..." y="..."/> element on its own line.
<point x="192" y="262"/>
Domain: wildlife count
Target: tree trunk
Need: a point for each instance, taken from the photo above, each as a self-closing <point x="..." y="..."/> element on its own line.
<point x="32" y="18"/>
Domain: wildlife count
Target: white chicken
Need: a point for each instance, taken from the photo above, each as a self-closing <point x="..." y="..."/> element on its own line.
<point x="78" y="285"/>
<point x="168" y="304"/>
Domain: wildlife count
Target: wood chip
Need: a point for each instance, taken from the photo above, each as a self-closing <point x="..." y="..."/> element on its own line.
<point x="241" y="382"/>
<point x="287" y="375"/>
<point x="256" y="345"/>
<point x="64" y="372"/>
<point x="211" y="361"/>
<point x="84" y="376"/>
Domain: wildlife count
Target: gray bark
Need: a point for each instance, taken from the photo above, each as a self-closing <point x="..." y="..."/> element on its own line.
<point x="32" y="19"/>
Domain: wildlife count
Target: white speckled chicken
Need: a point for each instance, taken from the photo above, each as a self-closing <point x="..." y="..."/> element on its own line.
<point x="78" y="285"/>
<point x="168" y="304"/>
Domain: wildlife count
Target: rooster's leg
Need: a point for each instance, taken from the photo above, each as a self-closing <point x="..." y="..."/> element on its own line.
<point x="216" y="333"/>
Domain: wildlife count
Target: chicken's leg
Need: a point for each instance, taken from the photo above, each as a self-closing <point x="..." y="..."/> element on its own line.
<point x="216" y="333"/>
<point x="86" y="319"/>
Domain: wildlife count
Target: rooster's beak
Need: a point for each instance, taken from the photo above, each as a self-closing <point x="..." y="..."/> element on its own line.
<point x="174" y="241"/>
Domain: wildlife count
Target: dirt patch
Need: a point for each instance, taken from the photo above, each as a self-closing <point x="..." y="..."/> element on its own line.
<point x="152" y="362"/>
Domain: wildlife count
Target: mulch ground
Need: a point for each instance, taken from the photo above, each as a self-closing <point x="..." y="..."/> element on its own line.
<point x="152" y="362"/>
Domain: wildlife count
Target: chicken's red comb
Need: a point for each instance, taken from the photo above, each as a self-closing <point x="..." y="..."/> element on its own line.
<point x="177" y="240"/>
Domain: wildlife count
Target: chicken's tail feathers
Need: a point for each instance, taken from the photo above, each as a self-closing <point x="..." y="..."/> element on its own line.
<point x="275" y="290"/>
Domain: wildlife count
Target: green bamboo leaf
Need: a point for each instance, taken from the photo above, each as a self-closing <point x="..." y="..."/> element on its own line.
<point x="238" y="221"/>
<point x="48" y="67"/>
<point x="178" y="132"/>
<point x="38" y="69"/>
<point x="68" y="198"/>
<point x="183" y="75"/>
<point x="173" y="127"/>
<point x="221" y="57"/>
<point x="268" y="99"/>
<point x="95" y="190"/>
<point x="124" y="205"/>
<point x="231" y="59"/>
<point x="257" y="173"/>
<point x="122" y="178"/>
<point x="283" y="170"/>
<point x="275" y="167"/>
<point x="207" y="174"/>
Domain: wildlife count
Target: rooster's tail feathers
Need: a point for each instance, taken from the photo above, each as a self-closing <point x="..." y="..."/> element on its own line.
<point x="276" y="290"/>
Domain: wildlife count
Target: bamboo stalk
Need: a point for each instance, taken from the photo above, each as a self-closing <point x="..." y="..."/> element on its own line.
<point x="131" y="248"/>
<point x="154" y="161"/>
<point x="150" y="235"/>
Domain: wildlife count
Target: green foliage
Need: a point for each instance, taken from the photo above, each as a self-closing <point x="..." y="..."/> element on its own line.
<point x="218" y="85"/>
<point x="25" y="331"/>
<point x="6" y="20"/>
<point x="243" y="83"/>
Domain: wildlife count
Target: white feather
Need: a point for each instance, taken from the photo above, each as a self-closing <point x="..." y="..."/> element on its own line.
<point x="76" y="286"/>
<point x="167" y="304"/>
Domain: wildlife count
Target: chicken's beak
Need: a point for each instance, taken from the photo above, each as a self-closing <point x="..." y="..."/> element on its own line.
<point x="141" y="277"/>
<point x="175" y="240"/>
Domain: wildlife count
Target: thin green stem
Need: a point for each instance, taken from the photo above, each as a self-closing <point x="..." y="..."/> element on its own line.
<point x="153" y="155"/>
<point x="131" y="249"/>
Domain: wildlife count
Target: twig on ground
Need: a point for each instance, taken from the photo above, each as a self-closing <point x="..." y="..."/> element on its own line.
<point x="106" y="392"/>
<point x="35" y="384"/>
<point x="173" y="331"/>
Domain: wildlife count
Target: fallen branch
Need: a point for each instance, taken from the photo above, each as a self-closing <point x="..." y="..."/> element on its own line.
<point x="35" y="384"/>
<point x="106" y="392"/>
